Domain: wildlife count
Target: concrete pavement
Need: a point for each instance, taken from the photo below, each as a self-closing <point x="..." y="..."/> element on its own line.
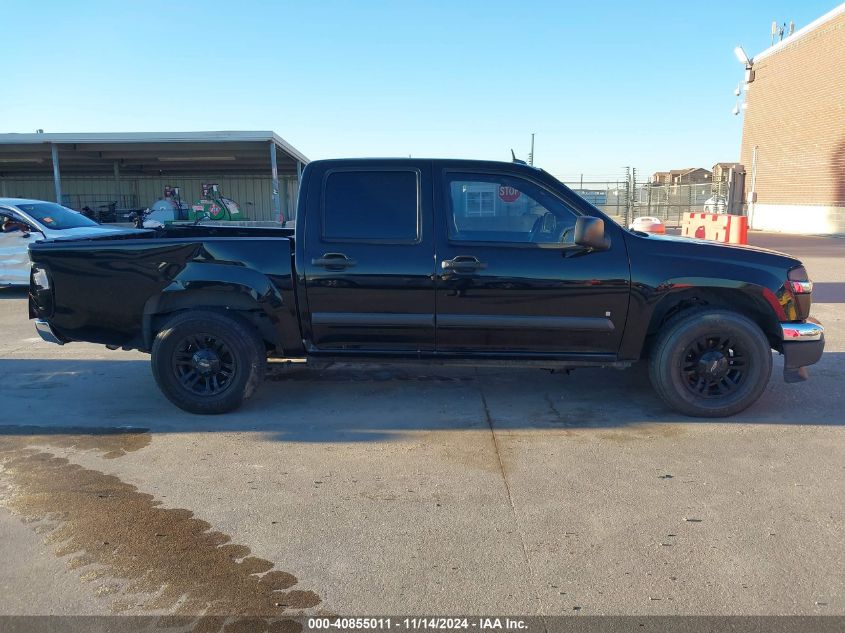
<point x="397" y="490"/>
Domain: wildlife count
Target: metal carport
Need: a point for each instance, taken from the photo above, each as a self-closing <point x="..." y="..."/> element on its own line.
<point x="132" y="168"/>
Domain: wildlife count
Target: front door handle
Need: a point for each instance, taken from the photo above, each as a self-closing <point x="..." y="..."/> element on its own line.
<point x="333" y="260"/>
<point x="462" y="263"/>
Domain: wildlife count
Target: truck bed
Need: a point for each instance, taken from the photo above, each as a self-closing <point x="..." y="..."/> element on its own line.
<point x="105" y="289"/>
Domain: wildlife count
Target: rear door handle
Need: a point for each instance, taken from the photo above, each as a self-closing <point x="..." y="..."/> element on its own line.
<point x="462" y="263"/>
<point x="333" y="260"/>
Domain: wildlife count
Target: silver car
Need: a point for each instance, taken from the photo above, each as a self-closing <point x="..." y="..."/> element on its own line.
<point x="25" y="221"/>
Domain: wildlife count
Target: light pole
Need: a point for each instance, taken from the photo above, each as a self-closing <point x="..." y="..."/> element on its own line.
<point x="748" y="62"/>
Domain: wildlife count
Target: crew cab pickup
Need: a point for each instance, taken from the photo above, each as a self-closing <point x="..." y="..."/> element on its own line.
<point x="435" y="261"/>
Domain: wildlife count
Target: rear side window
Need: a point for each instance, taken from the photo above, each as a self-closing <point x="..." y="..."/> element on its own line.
<point x="372" y="206"/>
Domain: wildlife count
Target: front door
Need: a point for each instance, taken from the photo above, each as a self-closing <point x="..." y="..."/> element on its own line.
<point x="510" y="278"/>
<point x="369" y="258"/>
<point x="15" y="238"/>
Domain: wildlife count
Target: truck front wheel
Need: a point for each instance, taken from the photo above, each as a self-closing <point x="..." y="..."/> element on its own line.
<point x="207" y="362"/>
<point x="710" y="363"/>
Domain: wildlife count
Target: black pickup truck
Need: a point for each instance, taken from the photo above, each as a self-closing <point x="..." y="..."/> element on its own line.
<point x="438" y="261"/>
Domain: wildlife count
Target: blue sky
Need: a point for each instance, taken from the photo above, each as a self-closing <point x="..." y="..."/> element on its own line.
<point x="603" y="84"/>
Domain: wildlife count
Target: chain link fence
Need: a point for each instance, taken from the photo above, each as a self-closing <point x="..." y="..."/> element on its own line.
<point x="607" y="193"/>
<point x="670" y="202"/>
<point x="624" y="197"/>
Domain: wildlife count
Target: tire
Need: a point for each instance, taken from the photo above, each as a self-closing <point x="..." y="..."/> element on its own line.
<point x="710" y="363"/>
<point x="207" y="362"/>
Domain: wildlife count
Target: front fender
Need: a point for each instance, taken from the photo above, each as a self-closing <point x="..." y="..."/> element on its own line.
<point x="664" y="272"/>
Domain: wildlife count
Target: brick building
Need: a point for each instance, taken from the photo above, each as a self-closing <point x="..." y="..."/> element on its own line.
<point x="686" y="176"/>
<point x="793" y="137"/>
<point x="720" y="171"/>
<point x="661" y="178"/>
<point x="690" y="176"/>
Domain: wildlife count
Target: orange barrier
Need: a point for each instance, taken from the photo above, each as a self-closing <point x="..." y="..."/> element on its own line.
<point x="718" y="227"/>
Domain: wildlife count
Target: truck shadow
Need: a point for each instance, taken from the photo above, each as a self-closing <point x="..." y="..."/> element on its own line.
<point x="357" y="403"/>
<point x="13" y="292"/>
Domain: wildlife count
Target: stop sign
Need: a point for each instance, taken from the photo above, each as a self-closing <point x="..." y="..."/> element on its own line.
<point x="508" y="194"/>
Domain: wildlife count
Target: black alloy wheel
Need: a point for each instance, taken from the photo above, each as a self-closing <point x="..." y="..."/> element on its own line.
<point x="713" y="366"/>
<point x="207" y="361"/>
<point x="710" y="362"/>
<point x="204" y="364"/>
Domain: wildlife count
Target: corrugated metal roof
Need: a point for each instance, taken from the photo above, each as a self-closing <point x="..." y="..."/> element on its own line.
<point x="153" y="137"/>
<point x="148" y="152"/>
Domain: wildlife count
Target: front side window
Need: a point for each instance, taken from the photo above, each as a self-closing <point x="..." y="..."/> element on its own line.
<point x="12" y="224"/>
<point x="372" y="205"/>
<point x="55" y="216"/>
<point x="493" y="208"/>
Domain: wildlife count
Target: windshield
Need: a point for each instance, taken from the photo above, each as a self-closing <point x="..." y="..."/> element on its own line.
<point x="55" y="216"/>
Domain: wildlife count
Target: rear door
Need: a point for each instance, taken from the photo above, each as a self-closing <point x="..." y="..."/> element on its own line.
<point x="368" y="257"/>
<point x="511" y="279"/>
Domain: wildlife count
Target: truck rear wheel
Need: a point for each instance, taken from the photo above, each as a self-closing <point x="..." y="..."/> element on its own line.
<point x="207" y="362"/>
<point x="710" y="363"/>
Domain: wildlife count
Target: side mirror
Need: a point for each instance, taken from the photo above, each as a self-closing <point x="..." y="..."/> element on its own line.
<point x="589" y="232"/>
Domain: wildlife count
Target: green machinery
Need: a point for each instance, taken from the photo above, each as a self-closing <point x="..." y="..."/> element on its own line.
<point x="213" y="206"/>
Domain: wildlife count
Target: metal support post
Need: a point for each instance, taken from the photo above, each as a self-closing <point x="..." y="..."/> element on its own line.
<point x="274" y="171"/>
<point x="57" y="178"/>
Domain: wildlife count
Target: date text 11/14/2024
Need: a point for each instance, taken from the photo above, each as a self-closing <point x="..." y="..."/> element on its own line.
<point x="417" y="623"/>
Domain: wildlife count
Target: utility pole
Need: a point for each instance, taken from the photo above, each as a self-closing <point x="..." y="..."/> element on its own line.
<point x="627" y="196"/>
<point x="531" y="153"/>
<point x="633" y="191"/>
<point x="616" y="195"/>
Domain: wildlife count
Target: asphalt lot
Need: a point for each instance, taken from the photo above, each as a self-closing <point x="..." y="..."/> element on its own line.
<point x="418" y="490"/>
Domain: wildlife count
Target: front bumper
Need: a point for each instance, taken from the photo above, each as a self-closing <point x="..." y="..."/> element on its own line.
<point x="803" y="345"/>
<point x="46" y="332"/>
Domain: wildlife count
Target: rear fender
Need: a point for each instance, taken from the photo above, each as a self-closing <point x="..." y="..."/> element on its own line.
<point x="220" y="286"/>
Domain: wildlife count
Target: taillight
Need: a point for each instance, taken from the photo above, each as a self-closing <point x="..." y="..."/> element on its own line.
<point x="40" y="279"/>
<point x="40" y="293"/>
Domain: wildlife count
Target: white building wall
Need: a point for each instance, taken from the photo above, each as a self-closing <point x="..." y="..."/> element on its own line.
<point x="796" y="218"/>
